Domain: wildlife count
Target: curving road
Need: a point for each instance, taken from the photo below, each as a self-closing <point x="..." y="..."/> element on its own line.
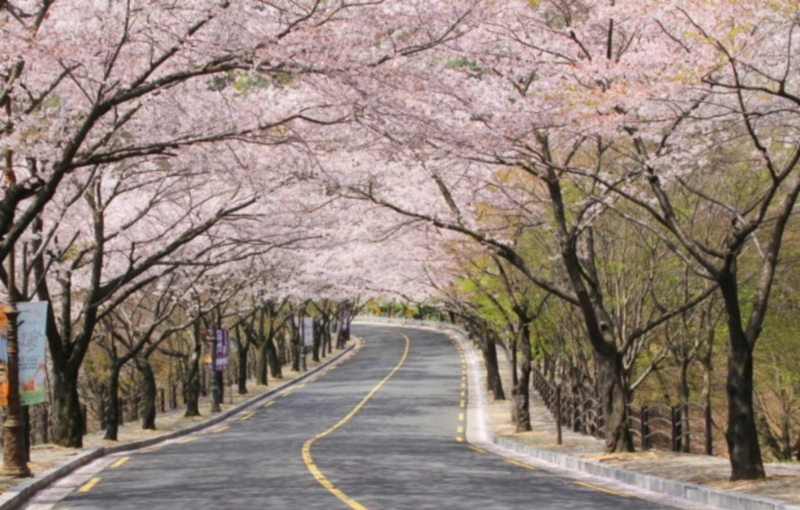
<point x="383" y="431"/>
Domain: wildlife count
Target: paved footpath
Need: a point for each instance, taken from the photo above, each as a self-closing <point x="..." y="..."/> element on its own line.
<point x="384" y="430"/>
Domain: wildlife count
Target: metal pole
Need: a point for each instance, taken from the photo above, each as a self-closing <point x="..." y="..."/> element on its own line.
<point x="14" y="463"/>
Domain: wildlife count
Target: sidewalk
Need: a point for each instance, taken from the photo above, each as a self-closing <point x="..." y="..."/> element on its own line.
<point x="782" y="482"/>
<point x="49" y="462"/>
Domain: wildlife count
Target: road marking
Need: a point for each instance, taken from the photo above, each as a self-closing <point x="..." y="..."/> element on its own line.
<point x="463" y="394"/>
<point x="300" y="387"/>
<point x="269" y="403"/>
<point x="459" y="439"/>
<point x="221" y="429"/>
<point x="248" y="416"/>
<point x="187" y="440"/>
<point x="462" y="404"/>
<point x="90" y="484"/>
<point x="120" y="462"/>
<point x="601" y="489"/>
<point x="151" y="449"/>
<point x="460" y="430"/>
<point x="309" y="461"/>
<point x="286" y="394"/>
<point x="463" y="386"/>
<point x="520" y="464"/>
<point x="477" y="449"/>
<point x="460" y="416"/>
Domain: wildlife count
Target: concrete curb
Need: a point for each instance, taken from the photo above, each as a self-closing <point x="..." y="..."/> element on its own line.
<point x="481" y="432"/>
<point x="16" y="496"/>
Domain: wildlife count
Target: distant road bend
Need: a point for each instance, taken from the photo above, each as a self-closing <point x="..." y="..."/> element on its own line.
<point x="383" y="431"/>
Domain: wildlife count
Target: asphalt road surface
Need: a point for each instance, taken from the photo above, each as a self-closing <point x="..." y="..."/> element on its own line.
<point x="382" y="431"/>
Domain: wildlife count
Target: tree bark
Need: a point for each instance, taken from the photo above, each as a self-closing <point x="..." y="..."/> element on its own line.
<point x="614" y="399"/>
<point x="493" y="381"/>
<point x="148" y="395"/>
<point x="66" y="413"/>
<point x="112" y="413"/>
<point x="273" y="360"/>
<point x="191" y="385"/>
<point x="522" y="393"/>
<point x="242" y="375"/>
<point x="683" y="393"/>
<point x="317" y="342"/>
<point x="261" y="363"/>
<point x="742" y="434"/>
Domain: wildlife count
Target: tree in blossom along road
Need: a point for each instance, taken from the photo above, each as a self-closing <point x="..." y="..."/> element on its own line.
<point x="88" y="84"/>
<point x="627" y="109"/>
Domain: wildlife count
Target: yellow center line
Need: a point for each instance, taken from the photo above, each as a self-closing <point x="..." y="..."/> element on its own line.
<point x="462" y="404"/>
<point x="269" y="403"/>
<point x="520" y="464"/>
<point x="477" y="449"/>
<point x="459" y="439"/>
<point x="120" y="462"/>
<point x="460" y="416"/>
<point x="90" y="484"/>
<point x="309" y="461"/>
<point x="187" y="440"/>
<point x="151" y="449"/>
<point x="286" y="394"/>
<point x="460" y="430"/>
<point x="248" y="416"/>
<point x="601" y="489"/>
<point x="221" y="429"/>
<point x="463" y="394"/>
<point x="300" y="387"/>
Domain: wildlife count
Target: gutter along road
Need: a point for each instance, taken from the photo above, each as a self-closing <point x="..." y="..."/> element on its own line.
<point x="384" y="430"/>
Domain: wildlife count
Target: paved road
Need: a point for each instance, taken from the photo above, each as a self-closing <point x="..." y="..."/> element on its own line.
<point x="383" y="431"/>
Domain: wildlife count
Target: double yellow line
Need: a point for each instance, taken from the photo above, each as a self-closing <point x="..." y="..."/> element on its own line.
<point x="309" y="461"/>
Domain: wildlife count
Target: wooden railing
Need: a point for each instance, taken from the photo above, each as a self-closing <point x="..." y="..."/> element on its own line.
<point x="656" y="426"/>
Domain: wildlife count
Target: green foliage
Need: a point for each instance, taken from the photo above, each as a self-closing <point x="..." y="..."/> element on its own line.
<point x="464" y="64"/>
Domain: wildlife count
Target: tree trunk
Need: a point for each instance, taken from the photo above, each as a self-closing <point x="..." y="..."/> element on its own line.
<point x="242" y="375"/>
<point x="261" y="364"/>
<point x="327" y="338"/>
<point x="493" y="381"/>
<point x="583" y="280"/>
<point x="149" y="394"/>
<point x="66" y="413"/>
<point x="112" y="412"/>
<point x="683" y="393"/>
<point x="514" y="378"/>
<point x="317" y="342"/>
<point x="191" y="386"/>
<point x="273" y="360"/>
<point x="614" y="399"/>
<point x="742" y="434"/>
<point x="522" y="394"/>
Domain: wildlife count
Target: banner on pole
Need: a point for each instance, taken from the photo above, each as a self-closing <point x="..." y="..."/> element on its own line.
<point x="223" y="350"/>
<point x="32" y="343"/>
<point x="308" y="332"/>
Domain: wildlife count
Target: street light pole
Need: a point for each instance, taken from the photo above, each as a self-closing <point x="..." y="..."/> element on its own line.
<point x="14" y="462"/>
